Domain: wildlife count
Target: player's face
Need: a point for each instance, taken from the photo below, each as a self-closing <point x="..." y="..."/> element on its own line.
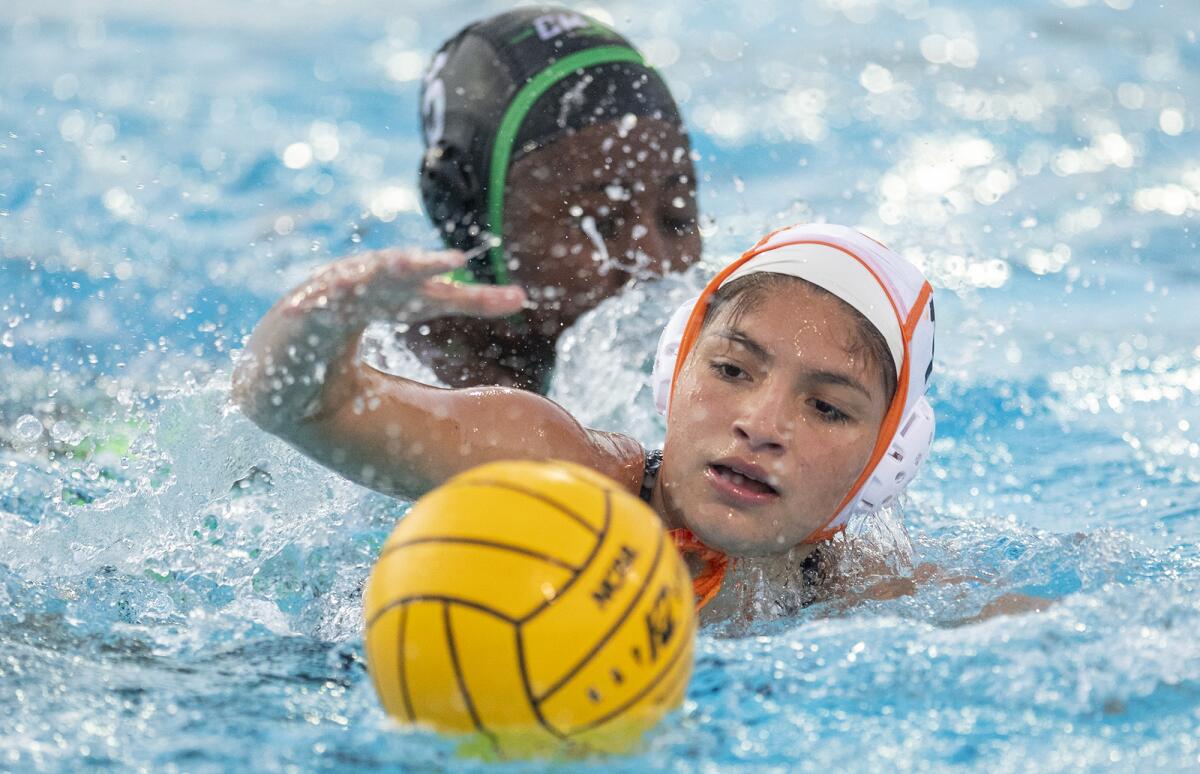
<point x="595" y="209"/>
<point x="775" y="415"/>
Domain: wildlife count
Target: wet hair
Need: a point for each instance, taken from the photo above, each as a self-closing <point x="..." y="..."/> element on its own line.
<point x="745" y="293"/>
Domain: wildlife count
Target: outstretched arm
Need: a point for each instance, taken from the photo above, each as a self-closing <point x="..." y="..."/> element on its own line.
<point x="302" y="379"/>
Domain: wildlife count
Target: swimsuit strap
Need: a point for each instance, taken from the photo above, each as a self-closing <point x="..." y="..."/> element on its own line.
<point x="811" y="568"/>
<point x="650" y="473"/>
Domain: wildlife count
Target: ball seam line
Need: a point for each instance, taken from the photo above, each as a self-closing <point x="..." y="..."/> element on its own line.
<point x="484" y="482"/>
<point x="462" y="682"/>
<point x="390" y="549"/>
<point x="441" y="598"/>
<point x="404" y="694"/>
<point x="600" y="536"/>
<point x="633" y="700"/>
<point x="617" y="624"/>
<point x="537" y="711"/>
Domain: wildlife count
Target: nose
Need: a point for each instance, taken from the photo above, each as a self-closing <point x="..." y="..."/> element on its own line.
<point x="660" y="249"/>
<point x="764" y="420"/>
<point x="655" y="244"/>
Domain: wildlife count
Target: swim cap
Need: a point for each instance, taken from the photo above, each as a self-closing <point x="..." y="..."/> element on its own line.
<point x="508" y="85"/>
<point x="886" y="289"/>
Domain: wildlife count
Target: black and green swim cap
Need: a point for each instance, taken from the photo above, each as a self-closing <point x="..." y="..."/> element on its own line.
<point x="504" y="87"/>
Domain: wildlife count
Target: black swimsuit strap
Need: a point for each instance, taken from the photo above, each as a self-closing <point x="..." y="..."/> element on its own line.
<point x="811" y="568"/>
<point x="650" y="473"/>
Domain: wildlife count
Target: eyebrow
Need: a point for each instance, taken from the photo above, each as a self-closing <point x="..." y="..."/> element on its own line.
<point x="600" y="185"/>
<point x="742" y="339"/>
<point x="745" y="342"/>
<point x="833" y="377"/>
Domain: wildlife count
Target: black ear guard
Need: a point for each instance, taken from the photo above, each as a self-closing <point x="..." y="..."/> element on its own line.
<point x="451" y="194"/>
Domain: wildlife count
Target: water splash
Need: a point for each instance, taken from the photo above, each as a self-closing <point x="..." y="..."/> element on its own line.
<point x="179" y="590"/>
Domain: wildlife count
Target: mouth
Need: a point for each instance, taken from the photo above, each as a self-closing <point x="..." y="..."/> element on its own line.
<point x="740" y="483"/>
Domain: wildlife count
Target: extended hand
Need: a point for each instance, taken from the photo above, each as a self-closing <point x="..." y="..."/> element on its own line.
<point x="403" y="285"/>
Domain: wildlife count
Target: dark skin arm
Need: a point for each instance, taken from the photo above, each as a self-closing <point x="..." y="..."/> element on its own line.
<point x="302" y="379"/>
<point x="1010" y="603"/>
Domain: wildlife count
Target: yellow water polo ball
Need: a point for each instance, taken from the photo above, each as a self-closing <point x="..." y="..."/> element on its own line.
<point x="535" y="607"/>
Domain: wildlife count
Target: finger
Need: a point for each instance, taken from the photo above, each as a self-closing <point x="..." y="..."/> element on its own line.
<point x="415" y="264"/>
<point x="348" y="274"/>
<point x="478" y="300"/>
<point x="924" y="572"/>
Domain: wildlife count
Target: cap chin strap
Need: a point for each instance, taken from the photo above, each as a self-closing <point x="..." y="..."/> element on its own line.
<point x="707" y="583"/>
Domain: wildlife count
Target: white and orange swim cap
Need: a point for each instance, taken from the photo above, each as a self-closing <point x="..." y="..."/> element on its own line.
<point x="886" y="289"/>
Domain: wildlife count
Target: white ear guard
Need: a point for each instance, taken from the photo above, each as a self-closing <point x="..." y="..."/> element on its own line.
<point x="900" y="463"/>
<point x="668" y="351"/>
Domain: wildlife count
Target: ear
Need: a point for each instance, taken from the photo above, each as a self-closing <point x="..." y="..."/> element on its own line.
<point x="452" y="195"/>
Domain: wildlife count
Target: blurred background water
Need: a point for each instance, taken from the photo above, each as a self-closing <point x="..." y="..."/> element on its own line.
<point x="179" y="591"/>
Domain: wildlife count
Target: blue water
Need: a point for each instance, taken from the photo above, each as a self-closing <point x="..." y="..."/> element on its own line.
<point x="179" y="591"/>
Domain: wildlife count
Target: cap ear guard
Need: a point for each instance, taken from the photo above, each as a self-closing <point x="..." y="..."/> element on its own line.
<point x="899" y="465"/>
<point x="667" y="353"/>
<point x="450" y="194"/>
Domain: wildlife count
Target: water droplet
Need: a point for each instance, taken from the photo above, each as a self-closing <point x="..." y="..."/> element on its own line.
<point x="626" y="125"/>
<point x="66" y="433"/>
<point x="617" y="193"/>
<point x="27" y="428"/>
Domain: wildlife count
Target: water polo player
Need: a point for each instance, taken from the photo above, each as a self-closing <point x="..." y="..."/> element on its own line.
<point x="558" y="160"/>
<point x="794" y="390"/>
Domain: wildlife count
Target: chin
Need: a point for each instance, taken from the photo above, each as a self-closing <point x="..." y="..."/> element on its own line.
<point x="735" y="537"/>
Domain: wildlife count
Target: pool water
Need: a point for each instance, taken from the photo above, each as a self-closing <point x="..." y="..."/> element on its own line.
<point x="180" y="591"/>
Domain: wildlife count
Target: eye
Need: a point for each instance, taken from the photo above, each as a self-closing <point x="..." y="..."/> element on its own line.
<point x="610" y="225"/>
<point x="727" y="371"/>
<point x="677" y="214"/>
<point x="829" y="412"/>
<point x="606" y="222"/>
<point x="678" y="226"/>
